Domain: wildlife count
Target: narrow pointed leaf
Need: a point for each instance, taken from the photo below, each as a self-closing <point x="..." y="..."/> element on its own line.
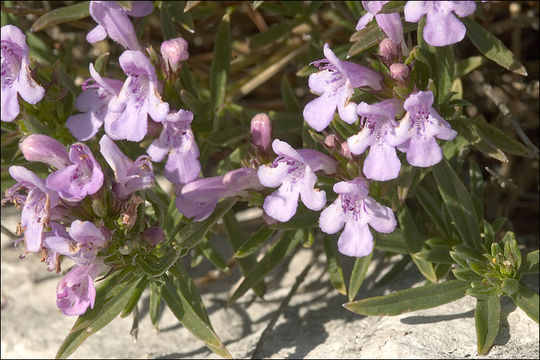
<point x="358" y="274"/>
<point x="254" y="242"/>
<point x="492" y="48"/>
<point x="188" y="316"/>
<point x="220" y="65"/>
<point x="458" y="202"/>
<point x="487" y="317"/>
<point x="61" y="15"/>
<point x="332" y="265"/>
<point x="431" y="202"/>
<point x="236" y="237"/>
<point x="279" y="251"/>
<point x="399" y="302"/>
<point x="415" y="242"/>
<point x="438" y="256"/>
<point x="155" y="303"/>
<point x="394" y="242"/>
<point x="210" y="252"/>
<point x="135" y="297"/>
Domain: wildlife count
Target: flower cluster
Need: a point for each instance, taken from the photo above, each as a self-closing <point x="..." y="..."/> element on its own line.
<point x="80" y="209"/>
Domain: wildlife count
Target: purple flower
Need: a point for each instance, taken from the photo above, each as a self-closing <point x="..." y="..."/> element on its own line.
<point x="354" y="209"/>
<point x="390" y="24"/>
<point x="378" y="133"/>
<point x="81" y="243"/>
<point x="198" y="199"/>
<point x="294" y="172"/>
<point x="178" y="142"/>
<point x="113" y="21"/>
<point x="417" y="131"/>
<point x="45" y="149"/>
<point x="83" y="177"/>
<point x="37" y="204"/>
<point x="334" y="83"/>
<point x="76" y="291"/>
<point x="129" y="175"/>
<point x="137" y="99"/>
<point x="16" y="77"/>
<point x="442" y="27"/>
<point x="261" y="131"/>
<point x="174" y="51"/>
<point x="94" y="104"/>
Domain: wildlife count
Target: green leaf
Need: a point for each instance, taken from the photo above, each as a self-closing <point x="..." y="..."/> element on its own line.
<point x="510" y="286"/>
<point x="287" y="93"/>
<point x="527" y="301"/>
<point x="168" y="28"/>
<point x="273" y="34"/>
<point x="500" y="139"/>
<point x="492" y="48"/>
<point x="189" y="316"/>
<point x="482" y="291"/>
<point x="104" y="312"/>
<point x="394" y="242"/>
<point x="358" y="274"/>
<point x="393" y="6"/>
<point x="155" y="303"/>
<point x="458" y="202"/>
<point x="415" y="242"/>
<point x="279" y="251"/>
<point x="190" y="235"/>
<point x="135" y="297"/>
<point x="399" y="302"/>
<point x="466" y="66"/>
<point x="221" y="63"/>
<point x="432" y="203"/>
<point x="370" y="36"/>
<point x="210" y="252"/>
<point x="445" y="72"/>
<point x="466" y="275"/>
<point x="254" y="242"/>
<point x="335" y="272"/>
<point x="487" y="317"/>
<point x="236" y="236"/>
<point x="437" y="255"/>
<point x="303" y="219"/>
<point x="531" y="264"/>
<point x="61" y="15"/>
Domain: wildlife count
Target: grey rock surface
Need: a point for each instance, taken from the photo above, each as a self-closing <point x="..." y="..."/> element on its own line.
<point x="314" y="324"/>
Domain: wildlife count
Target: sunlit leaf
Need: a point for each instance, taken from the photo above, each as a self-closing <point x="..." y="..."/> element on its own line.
<point x="487" y="319"/>
<point x="61" y="15"/>
<point x="399" y="302"/>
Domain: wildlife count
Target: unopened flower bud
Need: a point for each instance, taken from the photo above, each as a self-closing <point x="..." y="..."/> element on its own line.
<point x="345" y="150"/>
<point x="261" y="130"/>
<point x="153" y="235"/>
<point x="330" y="141"/>
<point x="175" y="51"/>
<point x="389" y="50"/>
<point x="45" y="149"/>
<point x="399" y="72"/>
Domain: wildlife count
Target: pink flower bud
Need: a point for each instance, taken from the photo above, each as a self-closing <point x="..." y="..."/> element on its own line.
<point x="261" y="130"/>
<point x="399" y="72"/>
<point x="330" y="141"/>
<point x="345" y="150"/>
<point x="389" y="49"/>
<point x="174" y="51"/>
<point x="45" y="149"/>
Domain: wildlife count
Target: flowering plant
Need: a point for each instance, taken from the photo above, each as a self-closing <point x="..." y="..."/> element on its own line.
<point x="374" y="160"/>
